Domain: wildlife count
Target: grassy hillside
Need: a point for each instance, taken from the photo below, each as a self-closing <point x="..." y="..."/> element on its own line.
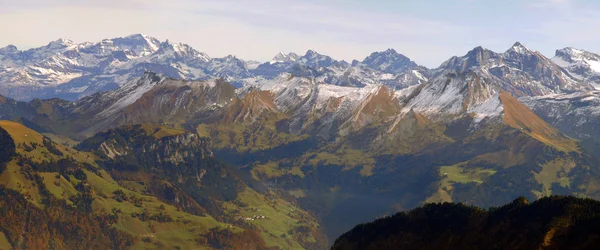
<point x="45" y="181"/>
<point x="382" y="169"/>
<point x="520" y="117"/>
<point x="180" y="169"/>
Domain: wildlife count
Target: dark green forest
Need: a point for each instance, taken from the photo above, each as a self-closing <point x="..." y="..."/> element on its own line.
<point x="556" y="222"/>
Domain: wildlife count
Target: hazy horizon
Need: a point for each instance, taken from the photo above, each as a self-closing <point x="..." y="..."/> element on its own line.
<point x="428" y="33"/>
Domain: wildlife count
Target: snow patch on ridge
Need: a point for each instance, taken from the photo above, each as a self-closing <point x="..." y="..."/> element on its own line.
<point x="132" y="92"/>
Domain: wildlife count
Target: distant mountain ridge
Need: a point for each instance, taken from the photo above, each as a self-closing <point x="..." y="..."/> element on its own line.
<point x="580" y="64"/>
<point x="70" y="70"/>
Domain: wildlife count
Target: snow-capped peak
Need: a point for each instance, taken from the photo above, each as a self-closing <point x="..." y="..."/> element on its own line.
<point x="151" y="42"/>
<point x="581" y="64"/>
<point x="520" y="71"/>
<point x="282" y="58"/>
<point x="139" y="36"/>
<point x="181" y="49"/>
<point x="519" y="48"/>
<point x="72" y="70"/>
<point x="569" y="51"/>
<point x="60" y="43"/>
<point x="137" y="44"/>
<point x="573" y="54"/>
<point x="178" y="47"/>
<point x="130" y="92"/>
<point x="63" y="41"/>
<point x="316" y="60"/>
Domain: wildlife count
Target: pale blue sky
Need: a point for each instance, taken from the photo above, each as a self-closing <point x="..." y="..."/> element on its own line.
<point x="428" y="32"/>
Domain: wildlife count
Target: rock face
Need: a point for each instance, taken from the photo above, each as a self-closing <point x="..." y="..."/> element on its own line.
<point x="172" y="155"/>
<point x="519" y="70"/>
<point x="389" y="61"/>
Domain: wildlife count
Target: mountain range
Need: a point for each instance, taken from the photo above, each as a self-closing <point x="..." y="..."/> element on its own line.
<point x="339" y="143"/>
<point x="72" y="70"/>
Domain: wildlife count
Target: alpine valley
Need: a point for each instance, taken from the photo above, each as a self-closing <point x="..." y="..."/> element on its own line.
<point x="136" y="143"/>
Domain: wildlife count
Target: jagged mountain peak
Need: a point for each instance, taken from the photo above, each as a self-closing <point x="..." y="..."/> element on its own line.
<point x="389" y="61"/>
<point x="391" y="51"/>
<point x="518" y="70"/>
<point x="312" y="53"/>
<point x="387" y="52"/>
<point x="136" y="45"/>
<point x="519" y="48"/>
<point x="477" y="49"/>
<point x="480" y="50"/>
<point x="518" y="45"/>
<point x="315" y="60"/>
<point x="477" y="57"/>
<point x="175" y="45"/>
<point x="399" y="70"/>
<point x="181" y="50"/>
<point x="284" y="58"/>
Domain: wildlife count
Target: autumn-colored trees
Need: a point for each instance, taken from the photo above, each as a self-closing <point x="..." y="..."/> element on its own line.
<point x="56" y="226"/>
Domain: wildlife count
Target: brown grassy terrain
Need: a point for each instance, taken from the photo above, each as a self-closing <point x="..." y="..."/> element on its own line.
<point x="520" y="117"/>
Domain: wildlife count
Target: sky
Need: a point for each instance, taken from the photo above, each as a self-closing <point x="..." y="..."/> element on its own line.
<point x="427" y="31"/>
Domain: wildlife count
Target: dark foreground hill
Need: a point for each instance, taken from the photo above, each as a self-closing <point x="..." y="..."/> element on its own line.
<point x="556" y="222"/>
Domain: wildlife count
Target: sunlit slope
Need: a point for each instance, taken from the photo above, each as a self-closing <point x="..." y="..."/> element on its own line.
<point x="46" y="174"/>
